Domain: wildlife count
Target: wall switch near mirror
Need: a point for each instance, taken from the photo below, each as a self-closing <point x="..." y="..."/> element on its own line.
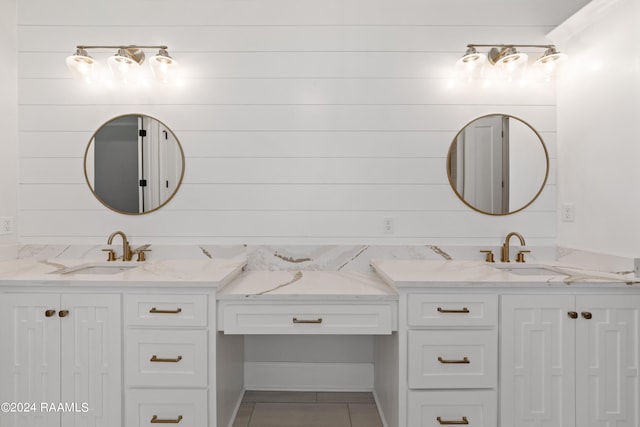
<point x="6" y="225"/>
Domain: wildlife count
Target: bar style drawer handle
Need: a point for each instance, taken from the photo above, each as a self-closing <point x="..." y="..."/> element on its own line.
<point x="464" y="360"/>
<point x="317" y="321"/>
<point x="451" y="422"/>
<point x="155" y="358"/>
<point x="444" y="310"/>
<point x="156" y="420"/>
<point x="156" y="311"/>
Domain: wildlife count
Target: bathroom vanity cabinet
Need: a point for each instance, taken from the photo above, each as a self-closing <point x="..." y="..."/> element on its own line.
<point x="566" y="354"/>
<point x="133" y="349"/>
<point x="60" y="348"/>
<point x="452" y="359"/>
<point x="570" y="360"/>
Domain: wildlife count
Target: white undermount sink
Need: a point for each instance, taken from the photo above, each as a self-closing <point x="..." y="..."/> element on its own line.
<point x="530" y="269"/>
<point x="97" y="268"/>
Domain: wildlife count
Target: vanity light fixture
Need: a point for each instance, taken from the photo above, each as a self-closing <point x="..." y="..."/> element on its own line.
<point x="125" y="64"/>
<point x="510" y="62"/>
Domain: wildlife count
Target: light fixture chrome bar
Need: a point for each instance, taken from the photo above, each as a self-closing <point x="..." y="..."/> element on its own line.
<point x="122" y="46"/>
<point x="541" y="46"/>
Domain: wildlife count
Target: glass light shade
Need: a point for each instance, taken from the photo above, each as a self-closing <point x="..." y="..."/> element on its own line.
<point x="471" y="65"/>
<point x="549" y="63"/>
<point x="81" y="66"/>
<point x="512" y="64"/>
<point x="123" y="67"/>
<point x="163" y="67"/>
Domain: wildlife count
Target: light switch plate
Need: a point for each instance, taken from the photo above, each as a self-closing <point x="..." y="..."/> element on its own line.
<point x="6" y="225"/>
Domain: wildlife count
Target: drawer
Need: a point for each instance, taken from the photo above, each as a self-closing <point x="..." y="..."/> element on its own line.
<point x="453" y="359"/>
<point x="452" y="310"/>
<point x="165" y="310"/>
<point x="476" y="408"/>
<point x="187" y="408"/>
<point x="160" y="358"/>
<point x="336" y="319"/>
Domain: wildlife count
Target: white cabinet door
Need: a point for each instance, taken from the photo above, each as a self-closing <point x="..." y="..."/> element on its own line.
<point x="91" y="357"/>
<point x="538" y="361"/>
<point x="62" y="354"/>
<point x="607" y="361"/>
<point x="29" y="358"/>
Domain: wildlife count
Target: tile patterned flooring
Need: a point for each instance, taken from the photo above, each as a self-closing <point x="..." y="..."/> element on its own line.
<point x="307" y="409"/>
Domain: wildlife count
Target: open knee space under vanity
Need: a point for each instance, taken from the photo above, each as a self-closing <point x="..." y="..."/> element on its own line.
<point x="324" y="342"/>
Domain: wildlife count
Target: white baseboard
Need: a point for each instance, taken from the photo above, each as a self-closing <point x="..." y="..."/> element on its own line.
<point x="308" y="376"/>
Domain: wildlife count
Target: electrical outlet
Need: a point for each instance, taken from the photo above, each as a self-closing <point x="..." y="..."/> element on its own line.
<point x="388" y="225"/>
<point x="6" y="225"/>
<point x="568" y="212"/>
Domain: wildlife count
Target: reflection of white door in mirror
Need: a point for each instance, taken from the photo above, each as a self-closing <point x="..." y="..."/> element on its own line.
<point x="497" y="164"/>
<point x="134" y="164"/>
<point x="160" y="164"/>
<point x="482" y="147"/>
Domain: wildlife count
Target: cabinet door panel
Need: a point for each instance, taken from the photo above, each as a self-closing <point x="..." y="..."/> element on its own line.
<point x="91" y="360"/>
<point x="538" y="361"/>
<point x="30" y="357"/>
<point x="607" y="361"/>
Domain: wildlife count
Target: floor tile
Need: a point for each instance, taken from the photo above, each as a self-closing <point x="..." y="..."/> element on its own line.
<point x="244" y="414"/>
<point x="300" y="414"/>
<point x="280" y="396"/>
<point x="345" y="397"/>
<point x="364" y="415"/>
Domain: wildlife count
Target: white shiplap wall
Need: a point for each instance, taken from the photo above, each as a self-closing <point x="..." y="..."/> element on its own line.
<point x="303" y="121"/>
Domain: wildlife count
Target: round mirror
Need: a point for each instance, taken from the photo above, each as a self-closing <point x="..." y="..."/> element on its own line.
<point x="497" y="164"/>
<point x="134" y="164"/>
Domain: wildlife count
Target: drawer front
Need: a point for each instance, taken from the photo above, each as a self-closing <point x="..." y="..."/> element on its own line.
<point x="452" y="310"/>
<point x="476" y="408"/>
<point x="165" y="310"/>
<point x="148" y="408"/>
<point x="453" y="359"/>
<point x="160" y="358"/>
<point x="361" y="319"/>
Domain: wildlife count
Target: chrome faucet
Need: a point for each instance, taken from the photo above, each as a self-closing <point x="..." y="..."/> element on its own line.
<point x="126" y="249"/>
<point x="504" y="253"/>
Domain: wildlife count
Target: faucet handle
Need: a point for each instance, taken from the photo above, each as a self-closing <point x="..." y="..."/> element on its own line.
<point x="520" y="255"/>
<point x="111" y="254"/>
<point x="141" y="254"/>
<point x="489" y="255"/>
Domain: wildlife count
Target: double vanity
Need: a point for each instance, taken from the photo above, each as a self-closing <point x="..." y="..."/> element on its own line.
<point x="454" y="342"/>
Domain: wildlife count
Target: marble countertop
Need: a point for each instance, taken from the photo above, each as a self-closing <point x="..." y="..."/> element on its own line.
<point x="424" y="273"/>
<point x="307" y="285"/>
<point x="209" y="272"/>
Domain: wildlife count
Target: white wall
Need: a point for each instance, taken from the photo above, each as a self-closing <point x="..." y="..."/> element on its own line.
<point x="598" y="116"/>
<point x="8" y="117"/>
<point x="303" y="121"/>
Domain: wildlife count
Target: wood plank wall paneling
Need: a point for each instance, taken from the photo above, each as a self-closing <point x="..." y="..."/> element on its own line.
<point x="302" y="121"/>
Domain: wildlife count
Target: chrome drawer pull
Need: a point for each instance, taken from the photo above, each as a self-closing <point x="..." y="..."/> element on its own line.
<point x="156" y="420"/>
<point x="156" y="311"/>
<point x="444" y="310"/>
<point x="155" y="358"/>
<point x="464" y="360"/>
<point x="449" y="422"/>
<point x="318" y="320"/>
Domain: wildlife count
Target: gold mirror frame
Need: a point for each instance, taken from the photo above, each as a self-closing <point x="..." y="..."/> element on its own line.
<point x="179" y="150"/>
<point x="449" y="165"/>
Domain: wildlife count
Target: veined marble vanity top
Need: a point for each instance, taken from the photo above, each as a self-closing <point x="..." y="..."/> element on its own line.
<point x="83" y="271"/>
<point x="307" y="284"/>
<point x="451" y="273"/>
